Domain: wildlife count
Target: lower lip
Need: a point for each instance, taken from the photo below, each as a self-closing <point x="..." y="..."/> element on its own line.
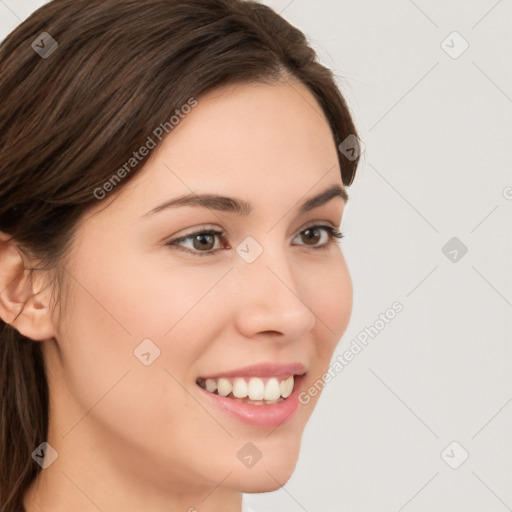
<point x="266" y="416"/>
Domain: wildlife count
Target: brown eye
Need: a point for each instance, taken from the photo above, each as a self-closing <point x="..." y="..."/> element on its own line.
<point x="204" y="241"/>
<point x="201" y="243"/>
<point x="311" y="236"/>
<point x="318" y="236"/>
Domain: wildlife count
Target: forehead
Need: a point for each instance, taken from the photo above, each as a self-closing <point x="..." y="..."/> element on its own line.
<point x="272" y="124"/>
<point x="256" y="141"/>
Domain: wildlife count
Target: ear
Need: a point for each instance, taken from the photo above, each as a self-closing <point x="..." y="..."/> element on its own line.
<point x="22" y="303"/>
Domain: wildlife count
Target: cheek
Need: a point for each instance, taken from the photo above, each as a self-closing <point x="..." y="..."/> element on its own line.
<point x="138" y="297"/>
<point x="331" y="301"/>
<point x="116" y="308"/>
<point x="111" y="310"/>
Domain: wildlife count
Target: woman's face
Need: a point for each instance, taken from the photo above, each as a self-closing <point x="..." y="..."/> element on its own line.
<point x="148" y="314"/>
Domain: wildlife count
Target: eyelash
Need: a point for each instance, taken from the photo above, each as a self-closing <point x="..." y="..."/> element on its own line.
<point x="332" y="233"/>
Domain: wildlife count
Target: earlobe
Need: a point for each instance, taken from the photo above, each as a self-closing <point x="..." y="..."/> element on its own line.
<point x="21" y="306"/>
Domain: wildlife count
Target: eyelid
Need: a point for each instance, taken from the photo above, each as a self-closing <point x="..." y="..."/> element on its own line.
<point x="316" y="223"/>
<point x="196" y="230"/>
<point x="228" y="233"/>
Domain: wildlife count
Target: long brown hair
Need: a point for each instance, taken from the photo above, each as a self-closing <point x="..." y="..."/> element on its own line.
<point x="72" y="113"/>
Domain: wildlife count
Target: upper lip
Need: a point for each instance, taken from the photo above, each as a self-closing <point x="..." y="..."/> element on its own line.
<point x="261" y="370"/>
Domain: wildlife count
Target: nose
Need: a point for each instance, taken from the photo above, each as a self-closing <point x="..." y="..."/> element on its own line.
<point x="270" y="300"/>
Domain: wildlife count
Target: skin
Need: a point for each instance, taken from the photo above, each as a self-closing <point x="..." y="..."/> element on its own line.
<point x="132" y="437"/>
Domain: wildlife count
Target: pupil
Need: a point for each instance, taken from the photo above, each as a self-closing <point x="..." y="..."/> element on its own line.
<point x="205" y="241"/>
<point x="312" y="235"/>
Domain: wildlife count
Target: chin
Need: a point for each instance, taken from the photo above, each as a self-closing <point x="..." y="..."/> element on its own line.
<point x="264" y="482"/>
<point x="268" y="474"/>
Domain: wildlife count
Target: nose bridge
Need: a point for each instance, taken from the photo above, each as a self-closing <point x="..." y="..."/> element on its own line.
<point x="270" y="299"/>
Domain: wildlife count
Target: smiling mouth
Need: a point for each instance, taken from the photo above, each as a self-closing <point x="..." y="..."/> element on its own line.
<point x="250" y="390"/>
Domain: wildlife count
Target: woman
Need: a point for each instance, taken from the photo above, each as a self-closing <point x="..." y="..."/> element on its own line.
<point x="172" y="177"/>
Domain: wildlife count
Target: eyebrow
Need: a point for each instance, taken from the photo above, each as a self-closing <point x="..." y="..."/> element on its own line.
<point x="240" y="207"/>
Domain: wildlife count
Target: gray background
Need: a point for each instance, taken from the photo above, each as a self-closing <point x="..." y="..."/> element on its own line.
<point x="437" y="134"/>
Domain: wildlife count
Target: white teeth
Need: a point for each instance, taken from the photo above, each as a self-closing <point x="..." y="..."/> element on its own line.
<point x="264" y="402"/>
<point x="211" y="385"/>
<point x="240" y="388"/>
<point x="272" y="391"/>
<point x="286" y="387"/>
<point x="253" y="389"/>
<point x="224" y="387"/>
<point x="256" y="389"/>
